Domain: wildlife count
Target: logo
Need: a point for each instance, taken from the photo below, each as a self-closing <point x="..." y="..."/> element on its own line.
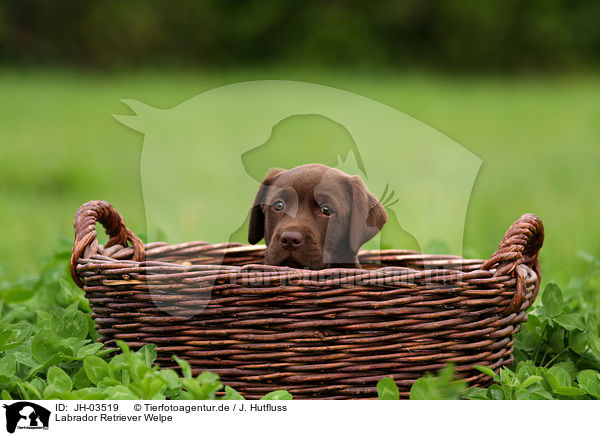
<point x="26" y="415"/>
<point x="217" y="147"/>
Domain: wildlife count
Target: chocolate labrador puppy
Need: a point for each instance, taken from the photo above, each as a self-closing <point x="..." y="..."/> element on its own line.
<point x="314" y="216"/>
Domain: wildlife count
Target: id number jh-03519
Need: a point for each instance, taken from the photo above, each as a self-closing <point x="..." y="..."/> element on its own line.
<point x="94" y="407"/>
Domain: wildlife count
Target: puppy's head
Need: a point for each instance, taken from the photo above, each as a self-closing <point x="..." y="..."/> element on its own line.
<point x="314" y="216"/>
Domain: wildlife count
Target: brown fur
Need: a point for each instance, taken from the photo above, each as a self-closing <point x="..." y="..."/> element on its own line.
<point x="319" y="241"/>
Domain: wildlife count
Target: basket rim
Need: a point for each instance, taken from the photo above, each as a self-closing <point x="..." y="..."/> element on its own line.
<point x="125" y="253"/>
<point x="520" y="246"/>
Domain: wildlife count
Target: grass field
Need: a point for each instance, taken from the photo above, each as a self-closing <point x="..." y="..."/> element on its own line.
<point x="538" y="138"/>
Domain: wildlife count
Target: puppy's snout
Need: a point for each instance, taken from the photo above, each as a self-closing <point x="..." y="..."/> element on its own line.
<point x="291" y="240"/>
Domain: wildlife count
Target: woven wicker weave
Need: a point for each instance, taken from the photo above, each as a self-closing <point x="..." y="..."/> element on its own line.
<point x="319" y="334"/>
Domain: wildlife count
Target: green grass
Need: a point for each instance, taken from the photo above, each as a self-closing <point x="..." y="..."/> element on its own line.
<point x="537" y="137"/>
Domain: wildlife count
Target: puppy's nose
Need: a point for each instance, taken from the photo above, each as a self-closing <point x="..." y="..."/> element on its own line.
<point x="291" y="240"/>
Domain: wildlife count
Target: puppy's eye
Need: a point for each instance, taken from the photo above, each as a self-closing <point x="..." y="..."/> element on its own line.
<point x="278" y="205"/>
<point x="326" y="210"/>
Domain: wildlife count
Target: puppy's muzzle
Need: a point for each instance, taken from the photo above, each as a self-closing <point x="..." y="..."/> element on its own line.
<point x="291" y="240"/>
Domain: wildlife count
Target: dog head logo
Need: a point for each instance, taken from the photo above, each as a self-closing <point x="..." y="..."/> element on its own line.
<point x="203" y="160"/>
<point x="24" y="414"/>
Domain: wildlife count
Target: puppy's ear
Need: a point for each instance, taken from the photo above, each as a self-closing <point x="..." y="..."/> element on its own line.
<point x="256" y="228"/>
<point x="367" y="215"/>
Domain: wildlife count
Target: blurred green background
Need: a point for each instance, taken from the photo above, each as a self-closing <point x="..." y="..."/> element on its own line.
<point x="515" y="82"/>
<point x="499" y="35"/>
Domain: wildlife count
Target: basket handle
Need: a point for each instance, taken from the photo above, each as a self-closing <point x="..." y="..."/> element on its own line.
<point x="521" y="244"/>
<point x="86" y="243"/>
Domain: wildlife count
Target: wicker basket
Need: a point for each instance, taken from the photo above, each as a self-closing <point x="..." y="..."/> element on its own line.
<point x="318" y="334"/>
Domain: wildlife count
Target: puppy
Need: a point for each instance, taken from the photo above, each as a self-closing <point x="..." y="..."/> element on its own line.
<point x="314" y="216"/>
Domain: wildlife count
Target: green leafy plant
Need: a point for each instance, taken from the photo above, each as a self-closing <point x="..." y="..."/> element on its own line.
<point x="444" y="386"/>
<point x="387" y="389"/>
<point x="557" y="353"/>
<point x="48" y="351"/>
